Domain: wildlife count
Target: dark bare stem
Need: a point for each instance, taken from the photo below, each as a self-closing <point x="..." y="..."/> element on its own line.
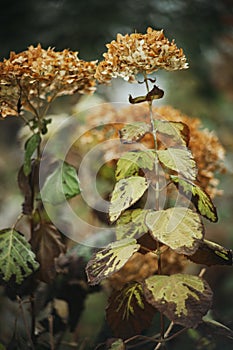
<point x="33" y="317"/>
<point x="25" y="323"/>
<point x="51" y="337"/>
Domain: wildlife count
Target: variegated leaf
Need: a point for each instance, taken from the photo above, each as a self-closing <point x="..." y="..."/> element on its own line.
<point x="200" y="199"/>
<point x="16" y="257"/>
<point x="179" y="160"/>
<point x="130" y="163"/>
<point x="131" y="224"/>
<point x="183" y="298"/>
<point x="210" y="253"/>
<point x="179" y="228"/>
<point x="128" y="313"/>
<point x="126" y="192"/>
<point x="134" y="132"/>
<point x="110" y="259"/>
<point x="178" y="131"/>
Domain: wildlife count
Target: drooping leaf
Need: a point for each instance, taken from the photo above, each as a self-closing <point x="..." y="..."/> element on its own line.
<point x="183" y="298"/>
<point x="110" y="259"/>
<point x="30" y="147"/>
<point x="47" y="244"/>
<point x="130" y="163"/>
<point x="179" y="228"/>
<point x="200" y="199"/>
<point x="126" y="192"/>
<point x="134" y="132"/>
<point x="16" y="257"/>
<point x="210" y="253"/>
<point x="179" y="160"/>
<point x="131" y="224"/>
<point x="62" y="184"/>
<point x="178" y="131"/>
<point x="154" y="94"/>
<point x="128" y="313"/>
<point x="215" y="328"/>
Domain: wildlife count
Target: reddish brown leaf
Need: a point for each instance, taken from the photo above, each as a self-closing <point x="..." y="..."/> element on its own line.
<point x="47" y="244"/>
<point x="128" y="313"/>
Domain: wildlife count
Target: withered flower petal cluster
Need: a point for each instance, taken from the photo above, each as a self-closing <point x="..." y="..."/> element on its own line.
<point x="137" y="53"/>
<point x="33" y="78"/>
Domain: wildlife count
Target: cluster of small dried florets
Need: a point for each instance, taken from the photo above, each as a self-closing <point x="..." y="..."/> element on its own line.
<point x="35" y="77"/>
<point x="137" y="53"/>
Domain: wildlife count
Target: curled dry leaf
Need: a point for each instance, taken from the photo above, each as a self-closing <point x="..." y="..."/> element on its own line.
<point x="47" y="243"/>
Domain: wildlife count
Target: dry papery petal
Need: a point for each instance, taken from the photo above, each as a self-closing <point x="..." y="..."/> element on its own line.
<point x="37" y="76"/>
<point x="136" y="53"/>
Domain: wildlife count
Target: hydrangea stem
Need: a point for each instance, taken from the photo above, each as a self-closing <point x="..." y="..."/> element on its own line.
<point x="157" y="192"/>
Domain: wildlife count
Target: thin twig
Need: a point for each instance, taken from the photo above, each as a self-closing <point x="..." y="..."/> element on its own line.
<point x="25" y="323"/>
<point x="166" y="334"/>
<point x="51" y="337"/>
<point x="202" y="272"/>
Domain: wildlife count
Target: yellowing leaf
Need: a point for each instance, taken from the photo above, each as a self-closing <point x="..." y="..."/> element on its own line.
<point x="200" y="199"/>
<point x="210" y="253"/>
<point x="16" y="257"/>
<point x="179" y="160"/>
<point x="178" y="131"/>
<point x="183" y="298"/>
<point x="134" y="132"/>
<point x="131" y="224"/>
<point x="130" y="163"/>
<point x="110" y="259"/>
<point x="128" y="313"/>
<point x="179" y="228"/>
<point x="126" y="192"/>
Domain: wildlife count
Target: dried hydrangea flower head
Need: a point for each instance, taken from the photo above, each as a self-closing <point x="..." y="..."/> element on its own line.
<point x="137" y="53"/>
<point x="33" y="78"/>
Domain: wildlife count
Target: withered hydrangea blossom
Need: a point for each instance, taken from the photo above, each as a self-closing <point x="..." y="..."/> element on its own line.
<point x="33" y="78"/>
<point x="137" y="53"/>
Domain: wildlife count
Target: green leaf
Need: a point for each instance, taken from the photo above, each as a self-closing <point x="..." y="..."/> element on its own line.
<point x="179" y="228"/>
<point x="134" y="132"/>
<point x="131" y="224"/>
<point x="183" y="298"/>
<point x="200" y="199"/>
<point x="111" y="259"/>
<point x="178" y="131"/>
<point x="210" y="253"/>
<point x="130" y="163"/>
<point x="117" y="345"/>
<point x="128" y="313"/>
<point x="126" y="192"/>
<point x="16" y="257"/>
<point x="179" y="160"/>
<point x="62" y="184"/>
<point x="30" y="147"/>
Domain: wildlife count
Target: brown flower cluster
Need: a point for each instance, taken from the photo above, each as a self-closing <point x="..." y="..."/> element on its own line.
<point x="137" y="53"/>
<point x="35" y="77"/>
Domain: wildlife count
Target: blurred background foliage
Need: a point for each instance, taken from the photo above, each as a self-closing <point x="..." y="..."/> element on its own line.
<point x="203" y="28"/>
